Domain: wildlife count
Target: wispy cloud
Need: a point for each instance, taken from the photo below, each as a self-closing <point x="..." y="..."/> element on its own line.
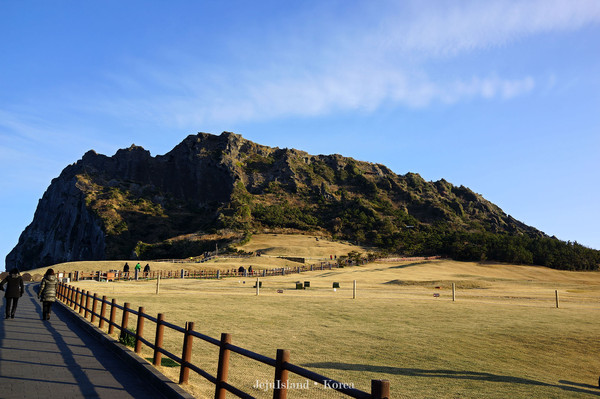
<point x="34" y="148"/>
<point x="447" y="28"/>
<point x="343" y="69"/>
<point x="22" y="130"/>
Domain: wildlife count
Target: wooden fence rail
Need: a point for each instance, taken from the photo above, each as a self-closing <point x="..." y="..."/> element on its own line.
<point x="116" y="275"/>
<point x="79" y="300"/>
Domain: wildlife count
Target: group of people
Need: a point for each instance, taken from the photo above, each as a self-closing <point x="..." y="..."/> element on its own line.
<point x="47" y="292"/>
<point x="138" y="267"/>
<point x="15" y="289"/>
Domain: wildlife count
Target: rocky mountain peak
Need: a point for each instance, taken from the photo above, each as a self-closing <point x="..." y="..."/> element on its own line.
<point x="134" y="204"/>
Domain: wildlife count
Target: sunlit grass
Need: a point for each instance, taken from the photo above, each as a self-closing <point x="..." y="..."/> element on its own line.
<point x="503" y="337"/>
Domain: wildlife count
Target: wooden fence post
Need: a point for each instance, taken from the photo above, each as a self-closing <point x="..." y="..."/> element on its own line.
<point x="281" y="374"/>
<point x="102" y="312"/>
<point x="157" y="284"/>
<point x="223" y="367"/>
<point x="81" y="301"/>
<point x="556" y="294"/>
<point x="87" y="304"/>
<point x="186" y="354"/>
<point x="75" y="299"/>
<point x="380" y="389"/>
<point x="139" y="331"/>
<point x="354" y="290"/>
<point x="158" y="341"/>
<point x="76" y="302"/>
<point x="72" y="298"/>
<point x="113" y="309"/>
<point x="94" y="303"/>
<point x="78" y="293"/>
<point x="453" y="292"/>
<point x="124" y="319"/>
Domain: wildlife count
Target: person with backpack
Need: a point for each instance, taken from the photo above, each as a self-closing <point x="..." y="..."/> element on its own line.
<point x="14" y="290"/>
<point x="48" y="293"/>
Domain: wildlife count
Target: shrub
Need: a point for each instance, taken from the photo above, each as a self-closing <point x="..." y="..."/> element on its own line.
<point x="128" y="339"/>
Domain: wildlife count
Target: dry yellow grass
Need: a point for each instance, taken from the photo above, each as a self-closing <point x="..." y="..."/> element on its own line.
<point x="503" y="337"/>
<point x="314" y="249"/>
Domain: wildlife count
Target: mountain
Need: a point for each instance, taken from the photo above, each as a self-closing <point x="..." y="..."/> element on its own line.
<point x="213" y="189"/>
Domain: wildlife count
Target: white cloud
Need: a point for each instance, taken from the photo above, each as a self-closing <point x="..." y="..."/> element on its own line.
<point x="446" y="28"/>
<point x="344" y="69"/>
<point x="316" y="95"/>
<point x="488" y="88"/>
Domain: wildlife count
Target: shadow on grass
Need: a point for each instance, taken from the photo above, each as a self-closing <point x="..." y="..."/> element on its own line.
<point x="406" y="265"/>
<point x="454" y="374"/>
<point x="577" y="384"/>
<point x="165" y="362"/>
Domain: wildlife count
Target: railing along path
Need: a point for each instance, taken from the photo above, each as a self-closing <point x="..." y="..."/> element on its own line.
<point x="80" y="300"/>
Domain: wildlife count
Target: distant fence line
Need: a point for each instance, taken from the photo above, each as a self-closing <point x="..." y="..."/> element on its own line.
<point x="86" y="303"/>
<point x="411" y="259"/>
<point x="117" y="275"/>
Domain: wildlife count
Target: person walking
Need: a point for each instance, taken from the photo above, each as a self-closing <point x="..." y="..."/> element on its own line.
<point x="48" y="293"/>
<point x="14" y="290"/>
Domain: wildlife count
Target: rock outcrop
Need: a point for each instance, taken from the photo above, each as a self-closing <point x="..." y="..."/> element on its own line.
<point x="132" y="203"/>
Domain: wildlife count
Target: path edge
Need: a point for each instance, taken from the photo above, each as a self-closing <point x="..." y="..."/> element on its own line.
<point x="162" y="383"/>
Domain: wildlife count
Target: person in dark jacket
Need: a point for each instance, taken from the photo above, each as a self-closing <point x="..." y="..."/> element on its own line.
<point x="48" y="293"/>
<point x="14" y="290"/>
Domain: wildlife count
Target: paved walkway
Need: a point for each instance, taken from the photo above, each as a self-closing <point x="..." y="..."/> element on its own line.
<point x="58" y="359"/>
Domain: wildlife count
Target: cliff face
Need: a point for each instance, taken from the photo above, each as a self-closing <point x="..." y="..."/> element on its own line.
<point x="130" y="204"/>
<point x="62" y="228"/>
<point x="97" y="207"/>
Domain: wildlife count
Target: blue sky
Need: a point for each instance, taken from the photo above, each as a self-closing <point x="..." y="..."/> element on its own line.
<point x="500" y="96"/>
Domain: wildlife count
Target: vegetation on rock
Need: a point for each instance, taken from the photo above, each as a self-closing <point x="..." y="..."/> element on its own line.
<point x="161" y="207"/>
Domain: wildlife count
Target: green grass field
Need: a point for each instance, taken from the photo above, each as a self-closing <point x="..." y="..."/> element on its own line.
<point x="503" y="337"/>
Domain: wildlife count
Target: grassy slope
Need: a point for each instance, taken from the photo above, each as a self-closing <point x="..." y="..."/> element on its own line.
<point x="271" y="245"/>
<point x="503" y="337"/>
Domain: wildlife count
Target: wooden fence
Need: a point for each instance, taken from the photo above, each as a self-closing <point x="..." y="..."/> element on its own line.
<point x="411" y="259"/>
<point x="84" y="302"/>
<point x="116" y="275"/>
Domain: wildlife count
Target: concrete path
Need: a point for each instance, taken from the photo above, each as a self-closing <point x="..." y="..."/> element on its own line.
<point x="59" y="359"/>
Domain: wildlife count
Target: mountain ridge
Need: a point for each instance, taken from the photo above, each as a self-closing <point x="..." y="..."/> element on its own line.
<point x="133" y="204"/>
